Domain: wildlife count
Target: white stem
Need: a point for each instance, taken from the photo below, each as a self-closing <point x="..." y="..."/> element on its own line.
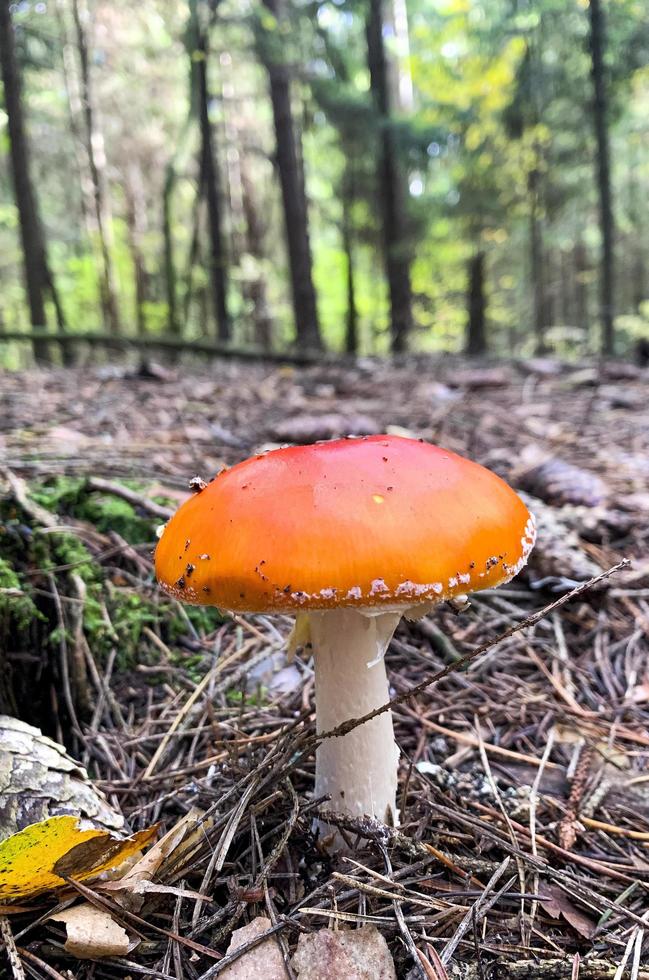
<point x="358" y="770"/>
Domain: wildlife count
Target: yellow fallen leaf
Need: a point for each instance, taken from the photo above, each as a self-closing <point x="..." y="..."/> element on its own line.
<point x="92" y="932"/>
<point x="38" y="858"/>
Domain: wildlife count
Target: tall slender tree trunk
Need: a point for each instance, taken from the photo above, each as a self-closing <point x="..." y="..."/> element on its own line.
<point x="639" y="273"/>
<point x="96" y="162"/>
<point x="75" y="114"/>
<point x="565" y="292"/>
<point x="33" y="243"/>
<point x="248" y="226"/>
<point x="391" y="186"/>
<point x="537" y="266"/>
<point x="257" y="291"/>
<point x="169" y="265"/>
<point x="476" y="335"/>
<point x="231" y="143"/>
<point x="136" y="224"/>
<point x="212" y="183"/>
<point x="580" y="273"/>
<point x="194" y="252"/>
<point x="638" y="270"/>
<point x="351" y="317"/>
<point x="176" y="163"/>
<point x="604" y="188"/>
<point x="291" y="175"/>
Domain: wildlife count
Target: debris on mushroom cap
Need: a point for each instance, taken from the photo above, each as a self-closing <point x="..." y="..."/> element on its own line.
<point x="379" y="522"/>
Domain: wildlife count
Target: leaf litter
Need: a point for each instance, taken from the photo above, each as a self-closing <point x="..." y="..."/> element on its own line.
<point x="162" y="742"/>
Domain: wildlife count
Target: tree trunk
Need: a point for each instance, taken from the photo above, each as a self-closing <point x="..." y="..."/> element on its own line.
<point x="537" y="265"/>
<point x="257" y="291"/>
<point x="293" y="191"/>
<point x="351" y="319"/>
<point x="169" y="263"/>
<point x="476" y="336"/>
<point x="175" y="165"/>
<point x="194" y="252"/>
<point x="212" y="184"/>
<point x="638" y="286"/>
<point x="31" y="233"/>
<point x="606" y="222"/>
<point x="97" y="163"/>
<point x="580" y="273"/>
<point x="136" y="224"/>
<point x="391" y="187"/>
<point x="565" y="291"/>
<point x="75" y="114"/>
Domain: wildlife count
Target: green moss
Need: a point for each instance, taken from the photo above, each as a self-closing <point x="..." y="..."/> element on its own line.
<point x="247" y="699"/>
<point x="18" y="608"/>
<point x="115" y="613"/>
<point x="65" y="549"/>
<point x="129" y="614"/>
<point x="110" y="513"/>
<point x="58" y="494"/>
<point x="72" y="496"/>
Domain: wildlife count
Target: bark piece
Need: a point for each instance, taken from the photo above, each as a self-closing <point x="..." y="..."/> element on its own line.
<point x="361" y="954"/>
<point x="262" y="962"/>
<point x="39" y="780"/>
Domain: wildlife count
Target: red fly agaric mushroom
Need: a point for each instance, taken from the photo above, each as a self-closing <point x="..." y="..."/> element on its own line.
<point x="350" y="536"/>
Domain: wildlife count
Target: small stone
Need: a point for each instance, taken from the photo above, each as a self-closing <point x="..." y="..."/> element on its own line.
<point x="262" y="962"/>
<point x="359" y="954"/>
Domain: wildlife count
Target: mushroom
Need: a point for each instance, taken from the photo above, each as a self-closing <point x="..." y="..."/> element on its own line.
<point x="349" y="536"/>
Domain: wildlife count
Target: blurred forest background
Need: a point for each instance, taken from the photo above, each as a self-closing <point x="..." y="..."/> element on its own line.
<point x="349" y="175"/>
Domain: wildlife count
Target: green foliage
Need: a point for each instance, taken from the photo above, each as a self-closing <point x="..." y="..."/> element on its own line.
<point x="499" y="93"/>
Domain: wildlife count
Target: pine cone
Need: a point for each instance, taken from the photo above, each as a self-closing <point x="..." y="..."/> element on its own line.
<point x="558" y="483"/>
<point x="557" y="561"/>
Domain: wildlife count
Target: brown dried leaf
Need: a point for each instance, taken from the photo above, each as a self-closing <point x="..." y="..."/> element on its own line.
<point x="132" y="887"/>
<point x="361" y="954"/>
<point x="92" y="933"/>
<point x="557" y="904"/>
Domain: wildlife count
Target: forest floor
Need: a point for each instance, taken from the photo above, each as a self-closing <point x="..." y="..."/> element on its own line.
<point x="523" y="849"/>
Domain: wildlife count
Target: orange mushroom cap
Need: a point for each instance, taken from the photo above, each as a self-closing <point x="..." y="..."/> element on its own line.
<point x="382" y="522"/>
